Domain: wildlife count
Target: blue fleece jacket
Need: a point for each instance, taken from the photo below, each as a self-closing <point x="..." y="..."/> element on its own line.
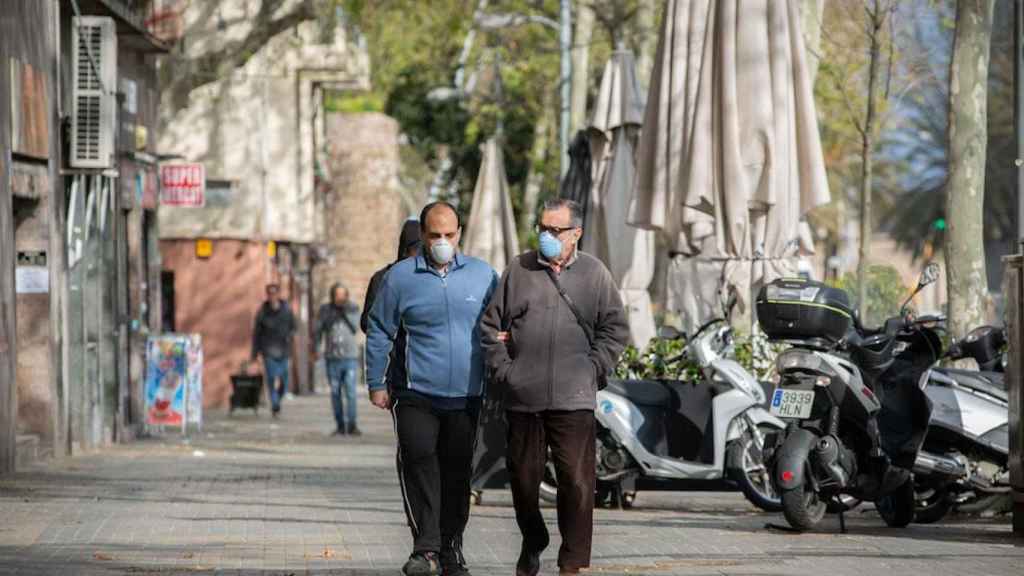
<point x="441" y="317"/>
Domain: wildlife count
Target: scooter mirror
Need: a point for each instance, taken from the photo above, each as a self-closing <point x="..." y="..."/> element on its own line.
<point x="930" y="275"/>
<point x="670" y="333"/>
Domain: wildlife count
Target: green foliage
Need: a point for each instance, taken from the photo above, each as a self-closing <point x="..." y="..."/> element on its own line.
<point x="885" y="292"/>
<point x="662" y="360"/>
<point x="756" y="354"/>
<point x="353" y="103"/>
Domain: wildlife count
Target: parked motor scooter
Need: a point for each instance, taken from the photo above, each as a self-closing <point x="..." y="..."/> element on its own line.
<point x="710" y="428"/>
<point x="857" y="415"/>
<point x="969" y="428"/>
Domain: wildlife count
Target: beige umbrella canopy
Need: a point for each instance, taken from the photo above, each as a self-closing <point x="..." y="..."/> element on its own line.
<point x="731" y="158"/>
<point x="627" y="251"/>
<point x="491" y="231"/>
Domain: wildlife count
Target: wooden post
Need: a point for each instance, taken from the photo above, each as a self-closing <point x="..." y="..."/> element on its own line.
<point x="1013" y="288"/>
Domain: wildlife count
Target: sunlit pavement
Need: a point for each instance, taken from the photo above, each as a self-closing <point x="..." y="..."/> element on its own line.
<point x="251" y="495"/>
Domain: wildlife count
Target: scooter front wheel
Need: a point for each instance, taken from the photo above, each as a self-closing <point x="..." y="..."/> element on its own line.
<point x="802" y="508"/>
<point x="751" y="474"/>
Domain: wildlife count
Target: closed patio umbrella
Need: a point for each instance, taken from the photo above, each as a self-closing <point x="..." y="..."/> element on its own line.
<point x="579" y="177"/>
<point x="491" y="230"/>
<point x="730" y="159"/>
<point x="627" y="251"/>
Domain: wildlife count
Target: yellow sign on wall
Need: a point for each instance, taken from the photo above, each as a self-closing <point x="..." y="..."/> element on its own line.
<point x="204" y="248"/>
<point x="272" y="249"/>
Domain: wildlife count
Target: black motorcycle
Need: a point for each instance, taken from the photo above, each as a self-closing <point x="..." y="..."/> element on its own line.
<point x="853" y="400"/>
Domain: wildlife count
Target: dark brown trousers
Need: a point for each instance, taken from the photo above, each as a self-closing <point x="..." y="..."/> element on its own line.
<point x="571" y="438"/>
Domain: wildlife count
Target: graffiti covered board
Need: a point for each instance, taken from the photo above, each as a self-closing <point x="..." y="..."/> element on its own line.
<point x="174" y="381"/>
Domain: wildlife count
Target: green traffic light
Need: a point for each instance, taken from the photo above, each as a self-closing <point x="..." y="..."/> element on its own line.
<point x="939" y="224"/>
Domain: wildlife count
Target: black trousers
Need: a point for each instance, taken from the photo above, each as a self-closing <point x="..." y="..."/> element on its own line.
<point x="435" y="465"/>
<point x="571" y="436"/>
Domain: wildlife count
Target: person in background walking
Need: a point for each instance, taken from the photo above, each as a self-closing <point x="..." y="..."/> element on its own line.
<point x="550" y="359"/>
<point x="272" y="338"/>
<point x="438" y="297"/>
<point x="337" y="328"/>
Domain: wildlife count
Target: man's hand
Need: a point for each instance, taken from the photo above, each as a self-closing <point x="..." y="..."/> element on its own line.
<point x="381" y="399"/>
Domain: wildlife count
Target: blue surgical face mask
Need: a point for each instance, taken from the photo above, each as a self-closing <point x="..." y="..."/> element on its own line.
<point x="442" y="252"/>
<point x="550" y="245"/>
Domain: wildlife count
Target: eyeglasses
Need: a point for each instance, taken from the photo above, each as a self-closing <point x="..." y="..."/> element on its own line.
<point x="553" y="230"/>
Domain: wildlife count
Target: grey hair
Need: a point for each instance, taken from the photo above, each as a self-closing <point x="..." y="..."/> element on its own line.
<point x="575" y="210"/>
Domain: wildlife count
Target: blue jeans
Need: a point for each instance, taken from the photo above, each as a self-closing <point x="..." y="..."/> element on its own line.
<point x="341" y="373"/>
<point x="276" y="369"/>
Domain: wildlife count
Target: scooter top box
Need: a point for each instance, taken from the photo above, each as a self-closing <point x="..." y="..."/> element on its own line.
<point x="797" y="309"/>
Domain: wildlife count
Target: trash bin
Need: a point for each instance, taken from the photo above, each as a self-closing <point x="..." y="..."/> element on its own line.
<point x="1013" y="288"/>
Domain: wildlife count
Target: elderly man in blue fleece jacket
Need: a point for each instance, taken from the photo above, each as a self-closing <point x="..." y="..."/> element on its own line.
<point x="438" y="298"/>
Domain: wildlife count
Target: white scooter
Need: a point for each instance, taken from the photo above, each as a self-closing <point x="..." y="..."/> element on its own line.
<point x="708" y="428"/>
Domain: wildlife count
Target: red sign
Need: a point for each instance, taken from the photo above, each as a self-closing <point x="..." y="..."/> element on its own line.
<point x="183" y="185"/>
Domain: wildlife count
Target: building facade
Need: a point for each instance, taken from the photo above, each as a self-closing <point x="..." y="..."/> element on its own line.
<point x="258" y="128"/>
<point x="77" y="215"/>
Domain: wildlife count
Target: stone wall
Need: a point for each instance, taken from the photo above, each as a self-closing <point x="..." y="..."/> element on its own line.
<point x="363" y="208"/>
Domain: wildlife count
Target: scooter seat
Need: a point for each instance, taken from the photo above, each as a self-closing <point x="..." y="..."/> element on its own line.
<point x="991" y="383"/>
<point x="641" y="392"/>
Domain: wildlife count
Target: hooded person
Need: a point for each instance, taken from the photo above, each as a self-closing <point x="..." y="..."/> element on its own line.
<point x="408" y="247"/>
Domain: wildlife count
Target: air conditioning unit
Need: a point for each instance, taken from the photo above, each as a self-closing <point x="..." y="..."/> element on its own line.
<point x="93" y="91"/>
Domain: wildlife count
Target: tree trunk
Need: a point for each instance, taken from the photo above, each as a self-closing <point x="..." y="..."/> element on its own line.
<point x="811" y="12"/>
<point x="538" y="156"/>
<point x="965" y="198"/>
<point x="646" y="40"/>
<point x="877" y="22"/>
<point x="581" y="38"/>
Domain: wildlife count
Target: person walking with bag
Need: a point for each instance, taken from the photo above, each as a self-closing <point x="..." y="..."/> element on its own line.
<point x="438" y="298"/>
<point x="554" y="329"/>
<point x="337" y="326"/>
<point x="272" y="336"/>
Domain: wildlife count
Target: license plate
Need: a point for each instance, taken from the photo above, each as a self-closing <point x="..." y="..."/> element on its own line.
<point x="792" y="403"/>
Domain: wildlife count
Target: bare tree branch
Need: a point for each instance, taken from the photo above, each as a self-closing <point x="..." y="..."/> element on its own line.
<point x="265" y="26"/>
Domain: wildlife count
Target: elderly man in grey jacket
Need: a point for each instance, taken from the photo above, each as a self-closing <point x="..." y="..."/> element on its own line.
<point x="554" y="328"/>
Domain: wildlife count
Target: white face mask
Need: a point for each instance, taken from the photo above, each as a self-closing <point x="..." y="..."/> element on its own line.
<point x="442" y="252"/>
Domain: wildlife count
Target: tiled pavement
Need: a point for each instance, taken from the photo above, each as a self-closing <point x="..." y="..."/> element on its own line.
<point x="255" y="496"/>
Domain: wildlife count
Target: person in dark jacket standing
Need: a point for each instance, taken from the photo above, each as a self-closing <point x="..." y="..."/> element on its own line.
<point x="337" y="328"/>
<point x="272" y="338"/>
<point x="550" y="363"/>
<point x="438" y="297"/>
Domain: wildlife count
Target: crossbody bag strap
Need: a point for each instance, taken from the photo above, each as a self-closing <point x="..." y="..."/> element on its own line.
<point x="572" y="306"/>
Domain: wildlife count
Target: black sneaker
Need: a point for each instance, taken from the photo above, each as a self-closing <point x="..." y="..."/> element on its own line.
<point x="453" y="563"/>
<point x="354" y="431"/>
<point x="456" y="570"/>
<point x="422" y="564"/>
<point x="529" y="559"/>
<point x="528" y="564"/>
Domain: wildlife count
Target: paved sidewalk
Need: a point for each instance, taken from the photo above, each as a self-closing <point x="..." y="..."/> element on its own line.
<point x="255" y="496"/>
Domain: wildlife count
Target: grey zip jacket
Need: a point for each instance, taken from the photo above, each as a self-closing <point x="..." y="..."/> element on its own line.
<point x="548" y="364"/>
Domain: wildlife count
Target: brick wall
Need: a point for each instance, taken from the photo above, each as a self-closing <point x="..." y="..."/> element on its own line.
<point x="363" y="209"/>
